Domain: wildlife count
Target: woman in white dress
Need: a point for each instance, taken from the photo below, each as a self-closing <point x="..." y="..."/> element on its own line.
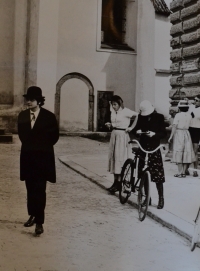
<point x="119" y="149"/>
<point x="183" y="153"/>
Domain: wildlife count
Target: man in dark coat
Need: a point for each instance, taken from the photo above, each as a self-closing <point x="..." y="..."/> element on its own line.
<point x="38" y="132"/>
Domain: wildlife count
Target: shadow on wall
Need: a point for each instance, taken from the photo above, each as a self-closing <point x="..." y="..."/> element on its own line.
<point x="120" y="70"/>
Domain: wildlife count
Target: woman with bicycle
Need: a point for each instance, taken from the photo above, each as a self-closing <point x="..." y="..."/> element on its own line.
<point x="119" y="149"/>
<point x="150" y="127"/>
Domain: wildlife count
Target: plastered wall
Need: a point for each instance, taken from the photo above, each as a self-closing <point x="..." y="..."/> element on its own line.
<point x="7" y="10"/>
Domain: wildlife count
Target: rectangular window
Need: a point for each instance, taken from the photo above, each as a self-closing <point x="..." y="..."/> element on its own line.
<point x="114" y="24"/>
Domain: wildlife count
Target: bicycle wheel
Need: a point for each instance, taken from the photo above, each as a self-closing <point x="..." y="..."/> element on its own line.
<point x="196" y="234"/>
<point x="144" y="195"/>
<point x="125" y="183"/>
<point x="194" y="238"/>
<point x="193" y="246"/>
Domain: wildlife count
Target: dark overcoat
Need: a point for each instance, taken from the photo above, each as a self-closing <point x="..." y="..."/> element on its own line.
<point x="155" y="123"/>
<point x="37" y="161"/>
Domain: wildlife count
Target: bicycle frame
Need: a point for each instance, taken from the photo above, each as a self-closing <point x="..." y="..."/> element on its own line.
<point x="146" y="167"/>
<point x="131" y="182"/>
<point x="145" y="151"/>
<point x="135" y="173"/>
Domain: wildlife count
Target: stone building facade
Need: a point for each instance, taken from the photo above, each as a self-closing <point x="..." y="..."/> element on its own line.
<point x="185" y="55"/>
<point x="62" y="46"/>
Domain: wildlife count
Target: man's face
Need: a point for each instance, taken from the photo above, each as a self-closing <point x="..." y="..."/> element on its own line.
<point x="32" y="104"/>
<point x="197" y="102"/>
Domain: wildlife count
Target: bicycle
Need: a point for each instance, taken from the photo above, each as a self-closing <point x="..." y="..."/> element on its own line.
<point x="132" y="183"/>
<point x="196" y="233"/>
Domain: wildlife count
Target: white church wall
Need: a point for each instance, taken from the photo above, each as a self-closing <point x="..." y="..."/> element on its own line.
<point x="162" y="63"/>
<point x="77" y="53"/>
<point x="47" y="50"/>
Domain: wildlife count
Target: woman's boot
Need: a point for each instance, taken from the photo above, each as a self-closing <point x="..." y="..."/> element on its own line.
<point x="160" y="195"/>
<point x="113" y="185"/>
<point x="115" y="188"/>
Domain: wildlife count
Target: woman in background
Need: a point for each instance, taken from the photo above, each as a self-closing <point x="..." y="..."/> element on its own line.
<point x="119" y="149"/>
<point x="183" y="153"/>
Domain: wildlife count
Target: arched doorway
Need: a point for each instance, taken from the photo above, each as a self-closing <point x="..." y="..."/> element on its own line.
<point x="90" y="97"/>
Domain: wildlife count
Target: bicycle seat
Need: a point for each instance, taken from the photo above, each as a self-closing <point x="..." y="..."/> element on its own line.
<point x="135" y="149"/>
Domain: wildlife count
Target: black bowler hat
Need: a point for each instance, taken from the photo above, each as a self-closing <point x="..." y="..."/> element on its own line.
<point x="33" y="92"/>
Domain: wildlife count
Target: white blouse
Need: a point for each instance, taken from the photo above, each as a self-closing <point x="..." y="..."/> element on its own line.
<point x="195" y="122"/>
<point x="182" y="120"/>
<point x="121" y="118"/>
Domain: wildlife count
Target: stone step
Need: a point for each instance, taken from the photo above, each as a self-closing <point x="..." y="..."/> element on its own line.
<point x="2" y="131"/>
<point x="7" y="138"/>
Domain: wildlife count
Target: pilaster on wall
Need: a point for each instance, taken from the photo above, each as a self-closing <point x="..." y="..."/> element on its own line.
<point x="145" y="70"/>
<point x="25" y="47"/>
<point x="19" y="51"/>
<point x="185" y="55"/>
<point x="47" y="49"/>
<point x="31" y="42"/>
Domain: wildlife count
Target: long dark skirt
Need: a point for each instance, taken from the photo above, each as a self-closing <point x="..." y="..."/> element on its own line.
<point x="155" y="166"/>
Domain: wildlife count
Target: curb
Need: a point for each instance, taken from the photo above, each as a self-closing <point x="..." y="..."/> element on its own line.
<point x="101" y="182"/>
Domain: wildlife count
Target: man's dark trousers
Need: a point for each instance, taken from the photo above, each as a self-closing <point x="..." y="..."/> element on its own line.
<point x="36" y="199"/>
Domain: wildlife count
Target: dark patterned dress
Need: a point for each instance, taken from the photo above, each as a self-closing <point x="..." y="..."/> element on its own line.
<point x="155" y="165"/>
<point x="155" y="123"/>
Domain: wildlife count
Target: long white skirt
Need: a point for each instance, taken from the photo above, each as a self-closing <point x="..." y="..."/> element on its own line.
<point x="119" y="151"/>
<point x="182" y="147"/>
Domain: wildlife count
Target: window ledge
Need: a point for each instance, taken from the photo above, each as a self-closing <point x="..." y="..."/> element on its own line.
<point x="163" y="71"/>
<point x="109" y="49"/>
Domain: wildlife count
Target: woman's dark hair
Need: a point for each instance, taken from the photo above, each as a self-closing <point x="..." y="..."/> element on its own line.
<point x="117" y="99"/>
<point x="40" y="101"/>
<point x="184" y="109"/>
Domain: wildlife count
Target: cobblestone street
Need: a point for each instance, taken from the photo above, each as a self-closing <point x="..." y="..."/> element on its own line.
<point x="85" y="229"/>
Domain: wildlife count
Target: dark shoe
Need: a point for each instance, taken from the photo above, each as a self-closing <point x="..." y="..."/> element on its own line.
<point x="114" y="184"/>
<point x="195" y="174"/>
<point x="115" y="188"/>
<point x="39" y="229"/>
<point x="160" y="203"/>
<point x="30" y="222"/>
<point x="179" y="175"/>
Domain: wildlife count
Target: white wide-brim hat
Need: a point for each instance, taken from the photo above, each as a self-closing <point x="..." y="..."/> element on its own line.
<point x="146" y="108"/>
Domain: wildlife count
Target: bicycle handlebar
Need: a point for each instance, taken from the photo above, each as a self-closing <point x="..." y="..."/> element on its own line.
<point x="132" y="141"/>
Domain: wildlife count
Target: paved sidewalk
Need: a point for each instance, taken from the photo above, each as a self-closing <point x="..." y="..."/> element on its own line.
<point x="181" y="194"/>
